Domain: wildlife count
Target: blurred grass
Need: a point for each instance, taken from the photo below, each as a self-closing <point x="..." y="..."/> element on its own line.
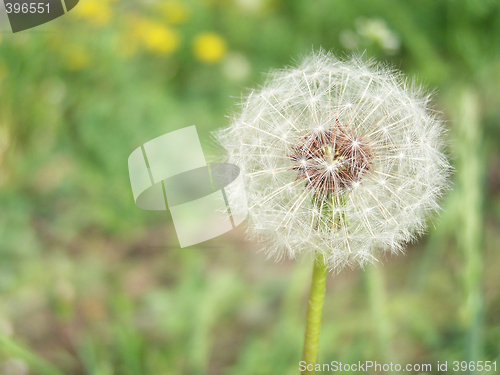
<point x="94" y="285"/>
<point x="470" y="166"/>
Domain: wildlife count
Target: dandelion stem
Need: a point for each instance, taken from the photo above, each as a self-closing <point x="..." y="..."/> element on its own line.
<point x="314" y="310"/>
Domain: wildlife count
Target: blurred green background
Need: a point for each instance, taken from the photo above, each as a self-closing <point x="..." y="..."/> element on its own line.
<point x="90" y="284"/>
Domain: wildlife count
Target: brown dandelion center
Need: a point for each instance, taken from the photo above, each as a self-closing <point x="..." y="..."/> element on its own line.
<point x="331" y="161"/>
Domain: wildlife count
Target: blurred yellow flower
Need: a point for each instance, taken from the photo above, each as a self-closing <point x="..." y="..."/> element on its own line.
<point x="76" y="57"/>
<point x="209" y="47"/>
<point x="174" y="11"/>
<point x="97" y="12"/>
<point x="155" y="37"/>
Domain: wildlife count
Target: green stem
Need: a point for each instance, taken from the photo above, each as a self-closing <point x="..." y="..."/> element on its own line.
<point x="470" y="175"/>
<point x="314" y="310"/>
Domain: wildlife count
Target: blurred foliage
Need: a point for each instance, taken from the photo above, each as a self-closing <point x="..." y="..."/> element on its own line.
<point x="94" y="285"/>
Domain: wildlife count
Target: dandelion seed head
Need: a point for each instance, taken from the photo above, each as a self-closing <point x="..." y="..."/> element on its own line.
<point x="343" y="157"/>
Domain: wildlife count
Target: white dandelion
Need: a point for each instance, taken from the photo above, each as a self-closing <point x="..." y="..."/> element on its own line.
<point x="341" y="158"/>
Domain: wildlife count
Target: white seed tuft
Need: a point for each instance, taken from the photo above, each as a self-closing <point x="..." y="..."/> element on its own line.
<point x="338" y="156"/>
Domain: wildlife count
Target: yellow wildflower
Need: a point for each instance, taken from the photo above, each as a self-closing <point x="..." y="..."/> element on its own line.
<point x="209" y="47"/>
<point x="76" y="57"/>
<point x="174" y="11"/>
<point x="156" y="37"/>
<point x="97" y="12"/>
